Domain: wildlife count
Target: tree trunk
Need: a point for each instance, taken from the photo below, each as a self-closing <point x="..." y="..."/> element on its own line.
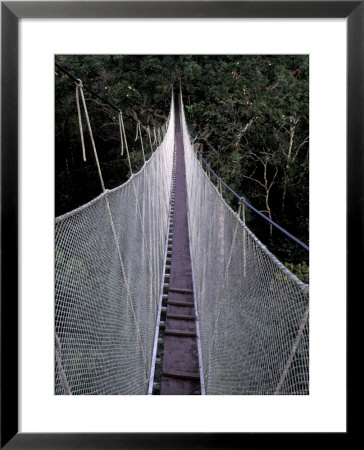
<point x="289" y="156"/>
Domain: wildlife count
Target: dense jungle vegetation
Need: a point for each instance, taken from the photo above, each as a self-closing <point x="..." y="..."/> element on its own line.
<point x="248" y="115"/>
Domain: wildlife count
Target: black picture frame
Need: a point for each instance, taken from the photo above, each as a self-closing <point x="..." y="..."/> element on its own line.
<point x="11" y="12"/>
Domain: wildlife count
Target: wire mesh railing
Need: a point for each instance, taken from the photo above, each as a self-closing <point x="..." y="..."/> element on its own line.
<point x="108" y="267"/>
<point x="253" y="311"/>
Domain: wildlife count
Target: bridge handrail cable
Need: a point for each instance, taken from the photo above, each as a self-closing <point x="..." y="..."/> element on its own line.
<point x="243" y="200"/>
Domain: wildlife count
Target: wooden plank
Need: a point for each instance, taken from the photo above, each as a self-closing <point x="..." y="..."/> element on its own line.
<point x="177" y="303"/>
<point x="180" y="317"/>
<point x="182" y="375"/>
<point x="180" y="291"/>
<point x="185" y="333"/>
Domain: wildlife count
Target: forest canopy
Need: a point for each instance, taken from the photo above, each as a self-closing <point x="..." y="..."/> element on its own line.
<point x="248" y="115"/>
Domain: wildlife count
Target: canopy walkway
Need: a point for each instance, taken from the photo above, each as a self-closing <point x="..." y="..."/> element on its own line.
<point x="180" y="374"/>
<point x="162" y="288"/>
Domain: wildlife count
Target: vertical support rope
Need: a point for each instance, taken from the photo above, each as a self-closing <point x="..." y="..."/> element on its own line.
<point x="241" y="213"/>
<point x="150" y="139"/>
<point x="141" y="139"/>
<point x="220" y="299"/>
<point x="64" y="381"/>
<point x="144" y="236"/>
<point x="126" y="143"/>
<point x="126" y="284"/>
<point x="79" y="88"/>
<point x="293" y="351"/>
<point x="139" y="134"/>
<point x="120" y="118"/>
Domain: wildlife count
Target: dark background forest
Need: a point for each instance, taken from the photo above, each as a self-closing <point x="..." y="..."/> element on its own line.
<point x="248" y="116"/>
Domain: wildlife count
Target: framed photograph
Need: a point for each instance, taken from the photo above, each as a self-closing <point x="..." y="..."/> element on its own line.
<point x="34" y="35"/>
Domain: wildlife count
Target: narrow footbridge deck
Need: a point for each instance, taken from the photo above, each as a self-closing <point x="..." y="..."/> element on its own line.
<point x="180" y="372"/>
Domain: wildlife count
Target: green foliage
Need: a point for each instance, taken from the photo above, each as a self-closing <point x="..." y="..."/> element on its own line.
<point x="301" y="270"/>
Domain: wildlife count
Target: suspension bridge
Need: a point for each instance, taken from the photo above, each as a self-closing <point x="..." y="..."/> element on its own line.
<point x="161" y="288"/>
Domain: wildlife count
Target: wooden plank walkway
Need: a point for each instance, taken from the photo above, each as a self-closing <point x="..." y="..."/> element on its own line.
<point x="180" y="370"/>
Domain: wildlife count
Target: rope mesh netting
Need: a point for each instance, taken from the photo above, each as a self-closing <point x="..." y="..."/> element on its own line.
<point x="253" y="312"/>
<point x="109" y="258"/>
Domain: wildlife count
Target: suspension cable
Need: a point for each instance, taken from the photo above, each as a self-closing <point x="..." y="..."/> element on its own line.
<point x="242" y="199"/>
